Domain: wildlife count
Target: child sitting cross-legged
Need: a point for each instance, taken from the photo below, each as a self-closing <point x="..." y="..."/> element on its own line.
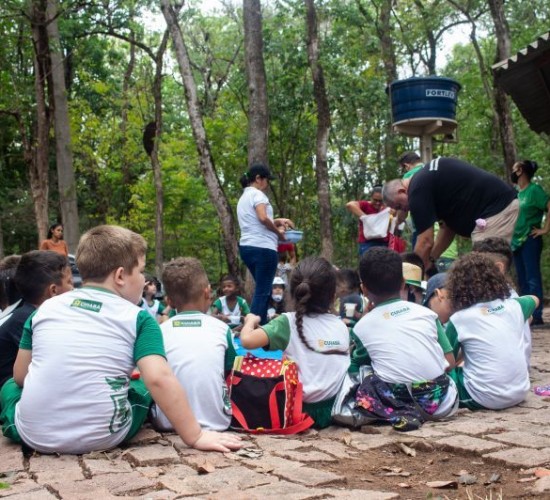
<point x="315" y="339"/>
<point x="487" y="328"/>
<point x="402" y="342"/>
<point x="78" y="351"/>
<point x="198" y="347"/>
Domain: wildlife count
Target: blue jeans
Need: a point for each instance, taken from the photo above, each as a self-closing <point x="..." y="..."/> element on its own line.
<point x="262" y="264"/>
<point x="363" y="247"/>
<point x="527" y="262"/>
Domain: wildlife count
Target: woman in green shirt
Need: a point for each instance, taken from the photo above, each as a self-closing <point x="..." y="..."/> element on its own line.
<point x="527" y="241"/>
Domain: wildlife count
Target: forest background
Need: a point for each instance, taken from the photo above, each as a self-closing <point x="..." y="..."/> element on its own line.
<point x="102" y="121"/>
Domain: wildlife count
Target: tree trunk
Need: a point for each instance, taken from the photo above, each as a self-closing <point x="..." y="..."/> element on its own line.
<point x="258" y="118"/>
<point x="323" y="128"/>
<point x="502" y="104"/>
<point x="155" y="163"/>
<point x="63" y="147"/>
<point x="215" y="190"/>
<point x="37" y="157"/>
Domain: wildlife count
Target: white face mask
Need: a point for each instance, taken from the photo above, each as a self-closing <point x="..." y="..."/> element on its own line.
<point x="277" y="297"/>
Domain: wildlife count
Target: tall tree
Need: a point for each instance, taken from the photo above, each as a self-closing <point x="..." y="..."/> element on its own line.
<point x="502" y="103"/>
<point x="64" y="155"/>
<point x="258" y="117"/>
<point x="206" y="161"/>
<point x="323" y="129"/>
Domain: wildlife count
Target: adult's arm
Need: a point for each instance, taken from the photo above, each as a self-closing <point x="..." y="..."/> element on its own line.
<point x="543" y="230"/>
<point x="444" y="238"/>
<point x="424" y="246"/>
<point x="261" y="213"/>
<point x="354" y="208"/>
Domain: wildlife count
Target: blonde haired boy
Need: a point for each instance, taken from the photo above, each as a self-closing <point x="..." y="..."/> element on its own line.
<point x="78" y="351"/>
<point x="199" y="348"/>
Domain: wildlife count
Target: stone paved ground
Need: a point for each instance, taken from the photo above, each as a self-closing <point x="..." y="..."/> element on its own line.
<point x="333" y="463"/>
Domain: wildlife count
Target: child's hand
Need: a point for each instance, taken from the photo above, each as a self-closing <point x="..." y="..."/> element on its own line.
<point x="217" y="441"/>
<point x="252" y="320"/>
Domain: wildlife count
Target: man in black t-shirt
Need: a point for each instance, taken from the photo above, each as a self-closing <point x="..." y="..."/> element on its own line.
<point x="468" y="201"/>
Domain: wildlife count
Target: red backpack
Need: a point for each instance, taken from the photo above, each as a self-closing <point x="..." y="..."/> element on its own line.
<point x="266" y="396"/>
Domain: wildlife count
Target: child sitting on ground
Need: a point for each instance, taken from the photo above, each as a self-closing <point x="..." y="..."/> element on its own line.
<point x="404" y="343"/>
<point x="78" y="351"/>
<point x="350" y="303"/>
<point x="314" y="338"/>
<point x="499" y="251"/>
<point x="149" y="303"/>
<point x="437" y="297"/>
<point x="230" y="308"/>
<point x="40" y="274"/>
<point x="276" y="305"/>
<point x="198" y="347"/>
<point x="487" y="327"/>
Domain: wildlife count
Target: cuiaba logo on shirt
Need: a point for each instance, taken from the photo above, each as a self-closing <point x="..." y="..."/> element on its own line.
<point x="396" y="313"/>
<point x="328" y="343"/>
<point x="193" y="323"/>
<point x="486" y="311"/>
<point x="88" y="305"/>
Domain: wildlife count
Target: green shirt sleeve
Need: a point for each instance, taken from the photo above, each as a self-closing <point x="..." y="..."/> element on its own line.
<point x="442" y="338"/>
<point x="162" y="307"/>
<point x="149" y="337"/>
<point x="26" y="337"/>
<point x="359" y="354"/>
<point x="452" y="336"/>
<point x="528" y="306"/>
<point x="230" y="353"/>
<point x="278" y="333"/>
<point x="244" y="307"/>
<point x="218" y="305"/>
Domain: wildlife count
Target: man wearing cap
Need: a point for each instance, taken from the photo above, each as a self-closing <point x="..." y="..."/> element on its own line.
<point x="361" y="209"/>
<point x="436" y="297"/>
<point x="468" y="200"/>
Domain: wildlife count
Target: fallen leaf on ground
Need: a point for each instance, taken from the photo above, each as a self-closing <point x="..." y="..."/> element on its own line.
<point x="392" y="469"/>
<point x="250" y="452"/>
<point x="461" y="472"/>
<point x="541" y="472"/>
<point x="495" y="478"/>
<point x="467" y="479"/>
<point x="407" y="450"/>
<point x="527" y="479"/>
<point x="404" y="485"/>
<point x="347" y="440"/>
<point x="400" y="474"/>
<point x="452" y="485"/>
<point x="205" y="467"/>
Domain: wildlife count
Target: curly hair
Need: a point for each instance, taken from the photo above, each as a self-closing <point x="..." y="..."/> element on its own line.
<point x="499" y="248"/>
<point x="474" y="278"/>
<point x="312" y="288"/>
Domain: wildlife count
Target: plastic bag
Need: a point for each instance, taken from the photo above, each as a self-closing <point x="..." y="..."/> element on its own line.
<point x="376" y="226"/>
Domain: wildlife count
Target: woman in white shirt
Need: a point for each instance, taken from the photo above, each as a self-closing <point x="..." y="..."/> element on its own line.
<point x="260" y="233"/>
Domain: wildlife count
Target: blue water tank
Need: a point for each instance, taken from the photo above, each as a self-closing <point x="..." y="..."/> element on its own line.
<point x="432" y="97"/>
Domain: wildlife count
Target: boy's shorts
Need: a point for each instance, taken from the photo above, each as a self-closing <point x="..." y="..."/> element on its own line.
<point x="465" y="400"/>
<point x="138" y="395"/>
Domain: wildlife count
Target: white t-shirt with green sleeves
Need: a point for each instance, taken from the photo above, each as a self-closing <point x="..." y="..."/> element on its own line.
<point x="321" y="374"/>
<point x="199" y="349"/>
<point x="491" y="335"/>
<point x="85" y="344"/>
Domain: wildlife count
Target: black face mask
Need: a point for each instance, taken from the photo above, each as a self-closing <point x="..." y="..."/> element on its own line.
<point x="514" y="177"/>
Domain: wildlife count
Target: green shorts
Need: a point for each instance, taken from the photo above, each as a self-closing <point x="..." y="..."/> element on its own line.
<point x="465" y="400"/>
<point x="138" y="395"/>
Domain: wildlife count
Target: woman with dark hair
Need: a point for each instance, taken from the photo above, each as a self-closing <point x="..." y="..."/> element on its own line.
<point x="527" y="241"/>
<point x="260" y="234"/>
<point x="54" y="241"/>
